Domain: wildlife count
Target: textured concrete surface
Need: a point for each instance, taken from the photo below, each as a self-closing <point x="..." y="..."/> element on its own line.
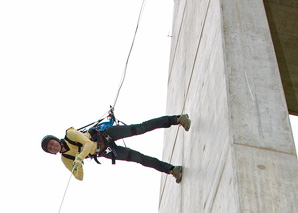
<point x="239" y="154"/>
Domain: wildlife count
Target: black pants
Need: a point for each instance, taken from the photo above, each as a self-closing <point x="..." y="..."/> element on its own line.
<point x="127" y="154"/>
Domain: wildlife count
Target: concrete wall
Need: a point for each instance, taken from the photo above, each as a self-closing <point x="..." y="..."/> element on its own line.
<point x="239" y="155"/>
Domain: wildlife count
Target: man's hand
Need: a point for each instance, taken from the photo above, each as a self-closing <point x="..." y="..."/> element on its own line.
<point x="77" y="163"/>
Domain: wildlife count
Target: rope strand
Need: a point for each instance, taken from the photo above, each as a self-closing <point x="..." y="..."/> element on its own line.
<point x="66" y="190"/>
<point x="132" y="44"/>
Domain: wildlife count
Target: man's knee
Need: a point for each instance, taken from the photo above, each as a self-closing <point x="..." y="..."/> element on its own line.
<point x="129" y="155"/>
<point x="133" y="129"/>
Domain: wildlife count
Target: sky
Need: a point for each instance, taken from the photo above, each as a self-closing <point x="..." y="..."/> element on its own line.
<point x="61" y="66"/>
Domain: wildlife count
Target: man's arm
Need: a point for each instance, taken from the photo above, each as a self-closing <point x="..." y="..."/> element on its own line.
<point x="79" y="173"/>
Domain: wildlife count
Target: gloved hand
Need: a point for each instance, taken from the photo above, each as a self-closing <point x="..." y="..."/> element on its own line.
<point x="77" y="163"/>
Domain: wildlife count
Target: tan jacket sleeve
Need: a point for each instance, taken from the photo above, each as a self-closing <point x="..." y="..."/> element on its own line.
<point x="77" y="136"/>
<point x="79" y="174"/>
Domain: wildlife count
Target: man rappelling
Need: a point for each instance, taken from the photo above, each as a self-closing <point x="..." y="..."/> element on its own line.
<point x="99" y="141"/>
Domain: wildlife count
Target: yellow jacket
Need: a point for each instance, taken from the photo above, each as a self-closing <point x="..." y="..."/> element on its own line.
<point x="88" y="147"/>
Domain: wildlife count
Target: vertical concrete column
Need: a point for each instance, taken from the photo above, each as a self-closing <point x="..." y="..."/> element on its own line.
<point x="263" y="150"/>
<point x="239" y="155"/>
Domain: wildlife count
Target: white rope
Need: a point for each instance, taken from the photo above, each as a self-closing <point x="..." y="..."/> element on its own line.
<point x="66" y="190"/>
<point x="133" y="41"/>
<point x="126" y="64"/>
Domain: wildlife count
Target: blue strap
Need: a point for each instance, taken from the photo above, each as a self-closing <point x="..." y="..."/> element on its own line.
<point x="104" y="125"/>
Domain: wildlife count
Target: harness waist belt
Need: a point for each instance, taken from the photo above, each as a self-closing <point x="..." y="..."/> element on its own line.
<point x="105" y="145"/>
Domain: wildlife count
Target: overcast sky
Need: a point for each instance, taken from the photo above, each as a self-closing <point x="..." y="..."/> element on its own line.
<point x="61" y="65"/>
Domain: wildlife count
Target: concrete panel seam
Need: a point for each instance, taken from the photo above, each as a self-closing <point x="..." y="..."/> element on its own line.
<point x="172" y="61"/>
<point x="170" y="160"/>
<point x="219" y="181"/>
<point x="195" y="59"/>
<point x="263" y="148"/>
<point x="162" y="191"/>
<point x="198" y="47"/>
<point x="223" y="158"/>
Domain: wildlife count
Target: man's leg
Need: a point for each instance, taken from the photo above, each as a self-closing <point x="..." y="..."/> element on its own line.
<point x="118" y="132"/>
<point x="127" y="154"/>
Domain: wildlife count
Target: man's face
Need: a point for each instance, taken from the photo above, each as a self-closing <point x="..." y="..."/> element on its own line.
<point x="54" y="146"/>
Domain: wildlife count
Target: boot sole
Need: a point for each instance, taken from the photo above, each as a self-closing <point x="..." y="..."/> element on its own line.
<point x="179" y="178"/>
<point x="187" y="124"/>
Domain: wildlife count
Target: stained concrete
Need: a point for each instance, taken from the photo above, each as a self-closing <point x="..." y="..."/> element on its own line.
<point x="239" y="154"/>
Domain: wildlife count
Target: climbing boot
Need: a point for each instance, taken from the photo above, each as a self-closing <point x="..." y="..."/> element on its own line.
<point x="177" y="173"/>
<point x="184" y="121"/>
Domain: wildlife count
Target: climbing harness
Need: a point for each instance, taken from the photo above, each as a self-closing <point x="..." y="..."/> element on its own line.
<point x="79" y="145"/>
<point x="105" y="144"/>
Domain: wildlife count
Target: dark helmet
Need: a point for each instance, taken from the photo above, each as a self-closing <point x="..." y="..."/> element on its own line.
<point x="45" y="141"/>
